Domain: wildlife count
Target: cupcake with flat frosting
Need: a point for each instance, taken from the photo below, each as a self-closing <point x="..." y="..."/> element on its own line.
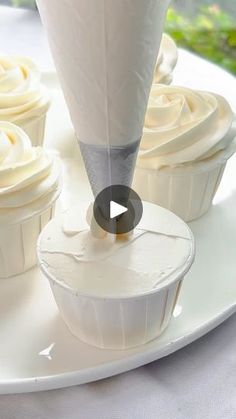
<point x="113" y="293"/>
<point x="188" y="138"/>
<point x="30" y="183"/>
<point x="23" y="99"/>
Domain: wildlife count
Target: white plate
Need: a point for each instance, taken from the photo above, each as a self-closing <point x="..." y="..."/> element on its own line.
<point x="37" y="352"/>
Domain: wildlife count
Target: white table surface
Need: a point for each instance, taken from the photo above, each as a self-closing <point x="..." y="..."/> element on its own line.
<point x="198" y="382"/>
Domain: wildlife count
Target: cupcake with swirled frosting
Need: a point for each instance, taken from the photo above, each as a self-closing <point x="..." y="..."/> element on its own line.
<point x="23" y="99"/>
<point x="166" y="61"/>
<point x="187" y="139"/>
<point x="30" y="183"/>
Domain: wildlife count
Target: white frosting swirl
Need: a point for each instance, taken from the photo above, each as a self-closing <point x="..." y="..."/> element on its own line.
<point x="21" y="94"/>
<point x="183" y="126"/>
<point x="27" y="174"/>
<point x="166" y="61"/>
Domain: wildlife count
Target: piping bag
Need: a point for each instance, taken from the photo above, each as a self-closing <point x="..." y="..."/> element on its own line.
<point x="105" y="53"/>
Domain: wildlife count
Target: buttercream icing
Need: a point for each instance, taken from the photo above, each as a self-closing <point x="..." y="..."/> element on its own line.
<point x="22" y="95"/>
<point x="183" y="126"/>
<point x="29" y="176"/>
<point x="109" y="267"/>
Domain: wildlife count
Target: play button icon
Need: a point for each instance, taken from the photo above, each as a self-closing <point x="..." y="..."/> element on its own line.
<point x="118" y="209"/>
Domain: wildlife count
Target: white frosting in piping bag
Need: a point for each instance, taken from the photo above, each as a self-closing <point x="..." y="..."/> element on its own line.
<point x="184" y="126"/>
<point x="22" y="96"/>
<point x="105" y="53"/>
<point x="29" y="176"/>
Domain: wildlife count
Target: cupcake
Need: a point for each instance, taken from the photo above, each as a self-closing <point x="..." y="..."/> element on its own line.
<point x="23" y="99"/>
<point x="115" y="293"/>
<point x="29" y="186"/>
<point x="166" y="61"/>
<point x="188" y="138"/>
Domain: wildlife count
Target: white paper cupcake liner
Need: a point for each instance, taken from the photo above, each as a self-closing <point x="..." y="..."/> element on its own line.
<point x="117" y="323"/>
<point x="34" y="128"/>
<point x="18" y="243"/>
<point x="188" y="191"/>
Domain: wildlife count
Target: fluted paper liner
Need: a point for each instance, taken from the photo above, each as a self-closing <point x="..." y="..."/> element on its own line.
<point x="19" y="233"/>
<point x="35" y="129"/>
<point x="105" y="53"/>
<point x="117" y="323"/>
<point x="188" y="191"/>
<point x="18" y="243"/>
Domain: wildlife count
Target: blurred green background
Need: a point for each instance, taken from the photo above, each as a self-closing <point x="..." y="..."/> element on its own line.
<point x="205" y="27"/>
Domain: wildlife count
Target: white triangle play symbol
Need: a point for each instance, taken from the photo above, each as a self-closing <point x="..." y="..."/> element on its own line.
<point x="116" y="209"/>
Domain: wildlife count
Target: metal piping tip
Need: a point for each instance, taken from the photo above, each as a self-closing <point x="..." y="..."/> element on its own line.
<point x="109" y="166"/>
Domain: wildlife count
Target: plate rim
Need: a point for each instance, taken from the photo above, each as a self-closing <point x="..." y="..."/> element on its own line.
<point x="111" y="369"/>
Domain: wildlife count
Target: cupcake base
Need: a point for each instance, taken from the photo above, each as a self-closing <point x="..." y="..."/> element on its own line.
<point x="35" y="129"/>
<point x="117" y="323"/>
<point x="107" y="318"/>
<point x="18" y="243"/>
<point x="188" y="191"/>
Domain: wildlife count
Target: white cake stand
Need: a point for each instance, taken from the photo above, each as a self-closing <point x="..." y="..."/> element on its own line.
<point x="37" y="352"/>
